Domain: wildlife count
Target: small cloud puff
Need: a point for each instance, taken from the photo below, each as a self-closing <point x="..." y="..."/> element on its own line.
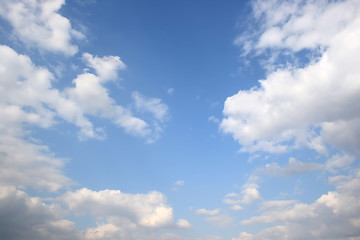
<point x="170" y="91"/>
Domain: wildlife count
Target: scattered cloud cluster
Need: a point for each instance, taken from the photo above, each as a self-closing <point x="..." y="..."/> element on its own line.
<point x="29" y="98"/>
<point x="295" y="106"/>
<point x="303" y="105"/>
<point x="334" y="215"/>
<point x="249" y="194"/>
<point x="124" y="214"/>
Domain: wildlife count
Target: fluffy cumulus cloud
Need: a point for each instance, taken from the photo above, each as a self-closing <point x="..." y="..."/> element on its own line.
<point x="129" y="216"/>
<point x="88" y="96"/>
<point x="23" y="90"/>
<point x="308" y="106"/>
<point x="52" y="32"/>
<point x="92" y="98"/>
<point x="107" y="67"/>
<point x="249" y="194"/>
<point x="147" y="210"/>
<point x="38" y="24"/>
<point x="126" y="216"/>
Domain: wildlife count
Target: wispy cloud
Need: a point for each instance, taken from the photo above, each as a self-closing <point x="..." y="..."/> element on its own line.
<point x="203" y="211"/>
<point x="293" y="168"/>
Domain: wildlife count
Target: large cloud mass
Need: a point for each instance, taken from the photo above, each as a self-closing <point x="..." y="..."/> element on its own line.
<point x="25" y="217"/>
<point x="302" y="106"/>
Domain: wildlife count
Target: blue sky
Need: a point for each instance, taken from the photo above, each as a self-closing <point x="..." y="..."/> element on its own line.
<point x="178" y="120"/>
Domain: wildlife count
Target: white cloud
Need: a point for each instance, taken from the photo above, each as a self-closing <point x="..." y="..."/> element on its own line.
<point x="38" y="23"/>
<point x="26" y="85"/>
<point x="25" y="217"/>
<point x="128" y="232"/>
<point x="93" y="98"/>
<point x="24" y="91"/>
<point x="244" y="236"/>
<point x="215" y="217"/>
<point x="123" y="216"/>
<point x="27" y="98"/>
<point x="170" y="236"/>
<point x="334" y="215"/>
<point x="170" y="91"/>
<point x="33" y="166"/>
<point x="339" y="161"/>
<point x="104" y="231"/>
<point x="203" y="211"/>
<point x="140" y="210"/>
<point x="220" y="220"/>
<point x="153" y="106"/>
<point x="106" y="67"/>
<point x="179" y="183"/>
<point x="183" y="223"/>
<point x="309" y="106"/>
<point x="249" y="194"/>
<point x="293" y="168"/>
<point x="277" y="204"/>
<point x="236" y="207"/>
<point x="302" y="24"/>
<point x="214" y="119"/>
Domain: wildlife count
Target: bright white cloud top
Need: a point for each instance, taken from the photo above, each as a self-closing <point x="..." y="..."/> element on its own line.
<point x="38" y="24"/>
<point x="304" y="106"/>
<point x="95" y="143"/>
